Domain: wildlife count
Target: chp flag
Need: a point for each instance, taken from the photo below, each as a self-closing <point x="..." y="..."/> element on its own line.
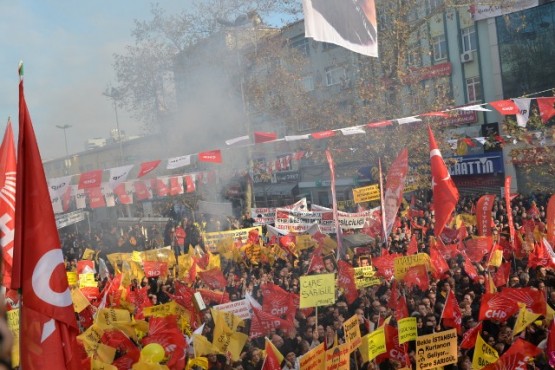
<point x="48" y="327"/>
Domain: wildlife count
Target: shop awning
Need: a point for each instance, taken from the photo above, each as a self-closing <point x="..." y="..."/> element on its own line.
<point x="261" y="190"/>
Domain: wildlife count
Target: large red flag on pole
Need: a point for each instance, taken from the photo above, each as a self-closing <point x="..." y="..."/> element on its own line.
<point x="48" y="327"/>
<point x="7" y="202"/>
<point x="445" y="193"/>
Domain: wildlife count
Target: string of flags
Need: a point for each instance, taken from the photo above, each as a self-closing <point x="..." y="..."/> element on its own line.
<point x="170" y="185"/>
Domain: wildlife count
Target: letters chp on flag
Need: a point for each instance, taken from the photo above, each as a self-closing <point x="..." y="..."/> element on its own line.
<point x="91" y="179"/>
<point x="48" y="327"/>
<point x="445" y="193"/>
<point x="213" y="156"/>
<point x="8" y="168"/>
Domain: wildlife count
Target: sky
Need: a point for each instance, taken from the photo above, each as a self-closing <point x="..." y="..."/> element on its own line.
<point x="67" y="48"/>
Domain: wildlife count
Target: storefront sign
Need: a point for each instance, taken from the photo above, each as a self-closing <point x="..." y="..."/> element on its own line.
<point x="484" y="164"/>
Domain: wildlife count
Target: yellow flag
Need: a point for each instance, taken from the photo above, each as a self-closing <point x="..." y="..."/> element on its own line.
<point x="550" y="312"/>
<point x="376" y="343"/>
<point x="484" y="354"/>
<point x="202" y="346"/>
<point x="364" y="352"/>
<point x="80" y="302"/>
<point x="88" y="254"/>
<point x="524" y="319"/>
<point x="496" y="258"/>
<point x="199" y="362"/>
<point x="227" y="321"/>
<point x="214" y="261"/>
<point x="105" y="353"/>
<point x="99" y="365"/>
<point x="12" y="317"/>
<point x="136" y="257"/>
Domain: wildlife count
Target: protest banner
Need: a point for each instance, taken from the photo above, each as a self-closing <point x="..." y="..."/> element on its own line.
<point x="366" y="193"/>
<point x="211" y="239"/>
<point x="314" y="359"/>
<point x="365" y="277"/>
<point x="72" y="278"/>
<point x="87" y="280"/>
<point x="239" y="308"/>
<point x="351" y="328"/>
<point x="317" y="290"/>
<point x="376" y="343"/>
<point x="407" y="329"/>
<point x="436" y="350"/>
<point x="402" y="264"/>
<point x="337" y="358"/>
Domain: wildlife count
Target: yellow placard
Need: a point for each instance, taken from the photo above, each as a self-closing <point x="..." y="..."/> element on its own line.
<point x="87" y="280"/>
<point x="402" y="264"/>
<point x="72" y="278"/>
<point x="407" y="329"/>
<point x="366" y="193"/>
<point x="136" y="257"/>
<point x="314" y="359"/>
<point x="12" y="317"/>
<point x="317" y="290"/>
<point x="108" y="316"/>
<point x="80" y="302"/>
<point x="436" y="350"/>
<point x="351" y="328"/>
<point x="376" y="343"/>
<point x="304" y="242"/>
<point x="365" y="277"/>
<point x="337" y="358"/>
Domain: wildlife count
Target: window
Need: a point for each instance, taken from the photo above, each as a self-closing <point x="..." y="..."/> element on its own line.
<point x="334" y="75"/>
<point x="440" y="48"/>
<point x="301" y="44"/>
<point x="413" y="55"/>
<point x="473" y="89"/>
<point x="468" y="35"/>
<point x="307" y="83"/>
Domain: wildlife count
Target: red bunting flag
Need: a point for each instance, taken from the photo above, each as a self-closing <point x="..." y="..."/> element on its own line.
<point x="147" y="167"/>
<point x="91" y="179"/>
<point x="445" y="193"/>
<point x="379" y="124"/>
<point x="123" y="196"/>
<point x="176" y="185"/>
<point x="190" y="184"/>
<point x="505" y="107"/>
<point x="452" y="315"/>
<point x="48" y="327"/>
<point x="547" y="108"/>
<point x="262" y="137"/>
<point x="142" y="192"/>
<point x="8" y="168"/>
<point x="323" y="134"/>
<point x="96" y="198"/>
<point x="160" y="186"/>
<point x="213" y="156"/>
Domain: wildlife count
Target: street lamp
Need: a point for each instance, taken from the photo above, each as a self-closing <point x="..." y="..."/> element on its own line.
<point x="67" y="161"/>
<point x="64" y="127"/>
<point x="115" y="95"/>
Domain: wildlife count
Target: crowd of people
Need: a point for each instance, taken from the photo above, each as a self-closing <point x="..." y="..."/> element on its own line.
<point x="248" y="276"/>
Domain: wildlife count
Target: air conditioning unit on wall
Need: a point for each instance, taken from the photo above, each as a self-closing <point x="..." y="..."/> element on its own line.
<point x="466" y="57"/>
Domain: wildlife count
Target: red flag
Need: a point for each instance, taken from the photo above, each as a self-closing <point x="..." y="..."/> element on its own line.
<point x="516" y="357"/>
<point x="176" y="185"/>
<point x="547" y="108"/>
<point x="161" y="187"/>
<point x="477" y="248"/>
<point x="190" y="184"/>
<point x="277" y="301"/>
<point x="96" y="198"/>
<point x="445" y="193"/>
<point x="501" y="276"/>
<point x="91" y="179"/>
<point x="8" y="167"/>
<point x="141" y="190"/>
<point x="48" y="327"/>
<point x="550" y="349"/>
<point x="212" y="296"/>
<point x="262" y="137"/>
<point x="413" y="245"/>
<point x="346" y="280"/>
<point x="155" y="268"/>
<point x="533" y="298"/>
<point x="148" y="167"/>
<point x="264" y="323"/>
<point x="494" y="306"/>
<point x="418" y="276"/>
<point x="469" y="268"/>
<point x="469" y="337"/>
<point x="438" y="263"/>
<point x="509" y="210"/>
<point x="452" y="315"/>
<point x="505" y="107"/>
<point x="123" y="196"/>
<point x="316" y="261"/>
<point x="483" y="214"/>
<point x="214" y="278"/>
<point x="214" y="156"/>
<point x="271" y="362"/>
<point x="323" y="134"/>
<point x="384" y="265"/>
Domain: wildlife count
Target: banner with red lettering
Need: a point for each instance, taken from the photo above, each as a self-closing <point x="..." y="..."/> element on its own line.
<point x="483" y="214"/>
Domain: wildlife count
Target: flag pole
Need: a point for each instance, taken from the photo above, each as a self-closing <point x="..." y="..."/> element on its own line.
<point x="384" y="226"/>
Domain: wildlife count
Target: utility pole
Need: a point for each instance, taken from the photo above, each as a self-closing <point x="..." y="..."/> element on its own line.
<point x="115" y="95"/>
